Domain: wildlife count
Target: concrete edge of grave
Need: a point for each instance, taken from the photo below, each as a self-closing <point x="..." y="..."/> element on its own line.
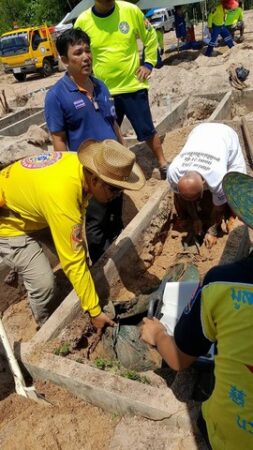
<point x="70" y="307"/>
<point x="166" y="123"/>
<point x="108" y="391"/>
<point x="222" y="110"/>
<point x="20" y="127"/>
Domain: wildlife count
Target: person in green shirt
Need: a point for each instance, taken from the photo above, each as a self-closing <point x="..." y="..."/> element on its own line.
<point x="113" y="27"/>
<point x="216" y="26"/>
<point x="234" y="21"/>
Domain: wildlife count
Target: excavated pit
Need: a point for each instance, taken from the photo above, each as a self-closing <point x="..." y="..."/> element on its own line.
<point x="135" y="264"/>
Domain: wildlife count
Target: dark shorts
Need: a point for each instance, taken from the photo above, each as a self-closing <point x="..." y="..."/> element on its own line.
<point x="135" y="106"/>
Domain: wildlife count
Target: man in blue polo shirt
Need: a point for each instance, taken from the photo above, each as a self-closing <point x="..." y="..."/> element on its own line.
<point x="79" y="108"/>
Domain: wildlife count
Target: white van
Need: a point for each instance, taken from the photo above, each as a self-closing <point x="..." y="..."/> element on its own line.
<point x="163" y="18"/>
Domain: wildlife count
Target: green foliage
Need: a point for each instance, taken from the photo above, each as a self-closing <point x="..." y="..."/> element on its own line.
<point x="12" y="11"/>
<point x="63" y="349"/>
<point x="107" y="364"/>
<point x="132" y="375"/>
<point x="113" y="366"/>
<point x="33" y="12"/>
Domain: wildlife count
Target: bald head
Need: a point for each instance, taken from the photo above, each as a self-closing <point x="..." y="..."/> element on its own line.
<point x="190" y="186"/>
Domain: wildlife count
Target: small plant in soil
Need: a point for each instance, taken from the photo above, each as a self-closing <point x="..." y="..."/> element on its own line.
<point x="106" y="364"/>
<point x="132" y="375"/>
<point x="114" y="367"/>
<point x="63" y="349"/>
<point x="79" y="360"/>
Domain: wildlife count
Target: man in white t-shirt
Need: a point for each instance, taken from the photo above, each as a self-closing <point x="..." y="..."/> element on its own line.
<point x="211" y="151"/>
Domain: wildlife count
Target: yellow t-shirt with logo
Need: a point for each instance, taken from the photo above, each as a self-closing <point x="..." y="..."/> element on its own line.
<point x="47" y="191"/>
<point x="227" y="318"/>
<point x="114" y="46"/>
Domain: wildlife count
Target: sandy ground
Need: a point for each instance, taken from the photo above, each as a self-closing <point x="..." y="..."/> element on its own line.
<point x="70" y="423"/>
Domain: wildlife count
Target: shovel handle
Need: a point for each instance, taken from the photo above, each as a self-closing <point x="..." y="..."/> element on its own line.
<point x="10" y="355"/>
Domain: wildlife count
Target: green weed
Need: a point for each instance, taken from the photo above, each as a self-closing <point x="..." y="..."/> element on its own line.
<point x="63" y="349"/>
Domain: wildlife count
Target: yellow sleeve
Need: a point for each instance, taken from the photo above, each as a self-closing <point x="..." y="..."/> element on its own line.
<point x="65" y="222"/>
<point x="160" y="39"/>
<point x="148" y="37"/>
<point x="210" y="20"/>
<point x="79" y="23"/>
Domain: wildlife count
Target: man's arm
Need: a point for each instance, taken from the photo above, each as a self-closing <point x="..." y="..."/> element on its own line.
<point x="55" y="121"/>
<point x="64" y="218"/>
<point x="210" y="21"/>
<point x="154" y="333"/>
<point x="217" y="215"/>
<point x="118" y="133"/>
<point x="59" y="141"/>
<point x="148" y="37"/>
<point x="188" y="342"/>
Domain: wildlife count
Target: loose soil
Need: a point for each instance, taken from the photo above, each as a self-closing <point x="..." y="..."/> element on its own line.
<point x="70" y="422"/>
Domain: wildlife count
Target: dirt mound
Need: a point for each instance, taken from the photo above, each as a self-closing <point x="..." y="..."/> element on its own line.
<point x="33" y="142"/>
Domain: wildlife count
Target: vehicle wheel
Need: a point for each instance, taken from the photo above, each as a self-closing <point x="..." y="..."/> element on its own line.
<point x="20" y="76"/>
<point x="47" y="68"/>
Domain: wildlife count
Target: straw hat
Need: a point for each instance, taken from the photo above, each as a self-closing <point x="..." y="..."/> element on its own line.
<point x="238" y="189"/>
<point x="113" y="163"/>
<point x="230" y="4"/>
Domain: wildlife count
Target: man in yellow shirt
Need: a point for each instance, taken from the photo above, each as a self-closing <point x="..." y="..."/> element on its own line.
<point x="234" y="21"/>
<point x="220" y="312"/>
<point x="216" y="25"/>
<point x="52" y="190"/>
<point x="113" y="28"/>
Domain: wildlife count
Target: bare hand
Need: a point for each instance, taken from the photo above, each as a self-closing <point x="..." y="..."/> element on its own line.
<point x="101" y="321"/>
<point x="151" y="329"/>
<point x="197" y="227"/>
<point x="230" y="223"/>
<point x="210" y="240"/>
<point x="143" y="73"/>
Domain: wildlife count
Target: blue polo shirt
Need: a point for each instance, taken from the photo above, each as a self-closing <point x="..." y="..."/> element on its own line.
<point x="69" y="109"/>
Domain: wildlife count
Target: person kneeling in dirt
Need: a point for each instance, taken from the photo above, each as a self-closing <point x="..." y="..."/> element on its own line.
<point x="52" y="190"/>
<point x="221" y="312"/>
<point x="195" y="175"/>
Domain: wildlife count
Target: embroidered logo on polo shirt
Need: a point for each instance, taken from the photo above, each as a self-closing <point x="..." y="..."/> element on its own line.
<point x="76" y="238"/>
<point x="113" y="111"/>
<point x="39" y="161"/>
<point x="78" y="104"/>
<point x="124" y="27"/>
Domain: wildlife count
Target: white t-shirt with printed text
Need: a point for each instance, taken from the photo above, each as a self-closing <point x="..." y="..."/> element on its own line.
<point x="212" y="150"/>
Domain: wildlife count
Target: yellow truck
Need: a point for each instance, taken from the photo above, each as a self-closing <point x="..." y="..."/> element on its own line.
<point x="28" y="50"/>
